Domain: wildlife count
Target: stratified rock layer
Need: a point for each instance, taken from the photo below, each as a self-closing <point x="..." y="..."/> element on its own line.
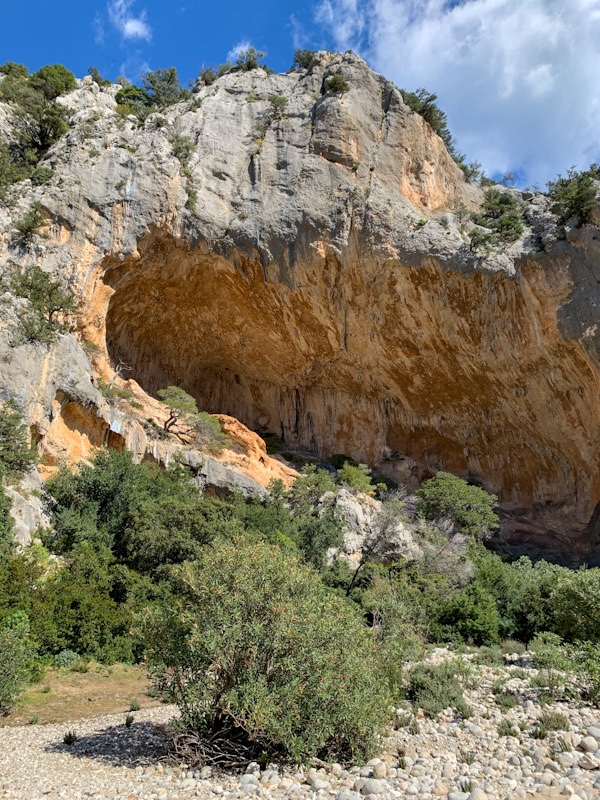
<point x="308" y="274"/>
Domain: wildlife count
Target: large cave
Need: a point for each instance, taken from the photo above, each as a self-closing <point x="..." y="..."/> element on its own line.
<point x="377" y="360"/>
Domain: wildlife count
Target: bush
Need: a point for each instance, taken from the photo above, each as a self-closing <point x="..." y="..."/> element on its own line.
<point x="472" y="613"/>
<point x="183" y="147"/>
<point x="576" y="599"/>
<point x="254" y="644"/>
<point x="303" y="58"/>
<point x="53" y="80"/>
<point x="337" y="84"/>
<point x="66" y="658"/>
<point x="250" y="59"/>
<point x="357" y="477"/>
<point x="15" y="655"/>
<point x="16" y="454"/>
<point x="189" y="424"/>
<point x="48" y="301"/>
<point x="501" y="213"/>
<point x="471" y="508"/>
<point x="435" y="688"/>
<point x="163" y="88"/>
<point x="94" y="72"/>
<point x="423" y="103"/>
<point x="28" y="226"/>
<point x="575" y="195"/>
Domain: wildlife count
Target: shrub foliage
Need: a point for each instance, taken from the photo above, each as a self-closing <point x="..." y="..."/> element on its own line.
<point x="256" y="643"/>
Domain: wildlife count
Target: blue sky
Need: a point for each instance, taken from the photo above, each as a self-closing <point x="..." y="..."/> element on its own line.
<point x="520" y="81"/>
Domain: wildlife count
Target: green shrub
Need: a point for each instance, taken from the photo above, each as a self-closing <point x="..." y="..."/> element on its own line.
<point x="435" y="688"/>
<point x="66" y="658"/>
<point x="48" y="301"/>
<point x="303" y="58"/>
<point x="472" y="613"/>
<point x="423" y="103"/>
<point x="469" y="507"/>
<point x="505" y="700"/>
<point x="554" y="721"/>
<point x="254" y="644"/>
<point x="250" y="59"/>
<point x="506" y="728"/>
<point x="490" y="656"/>
<point x="552" y="660"/>
<point x="95" y="75"/>
<point x="357" y="477"/>
<point x="163" y="88"/>
<point x="16" y="454"/>
<point x="28" y="226"/>
<point x="134" y="704"/>
<point x="53" y="80"/>
<point x="15" y="655"/>
<point x="41" y="176"/>
<point x="337" y="84"/>
<point x="576" y="599"/>
<point x="575" y="195"/>
<point x="183" y="147"/>
<point x="502" y="214"/>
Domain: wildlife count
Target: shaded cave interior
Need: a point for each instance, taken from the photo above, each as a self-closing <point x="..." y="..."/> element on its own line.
<point x="419" y="373"/>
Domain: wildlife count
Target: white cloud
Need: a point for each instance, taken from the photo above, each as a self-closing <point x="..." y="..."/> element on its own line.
<point x="235" y="51"/>
<point x="129" y="25"/>
<point x="98" y="30"/>
<point x="519" y="81"/>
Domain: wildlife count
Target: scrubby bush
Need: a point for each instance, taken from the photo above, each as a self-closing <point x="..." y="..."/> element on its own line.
<point x="303" y="58"/>
<point x="28" y="226"/>
<point x="471" y="508"/>
<point x="53" y="80"/>
<point x="15" y="654"/>
<point x="337" y="84"/>
<point x="255" y="645"/>
<point x="575" y="195"/>
<point x="94" y="73"/>
<point x="576" y="599"/>
<point x="501" y="213"/>
<point x="163" y="88"/>
<point x="423" y="102"/>
<point x="16" y="454"/>
<point x="189" y="424"/>
<point x="357" y="477"/>
<point x="48" y="302"/>
<point x="435" y="688"/>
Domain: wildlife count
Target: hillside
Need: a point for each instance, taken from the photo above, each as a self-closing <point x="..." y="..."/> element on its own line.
<point x="299" y="259"/>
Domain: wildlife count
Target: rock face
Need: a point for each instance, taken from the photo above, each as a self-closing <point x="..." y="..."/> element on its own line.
<point x="307" y="273"/>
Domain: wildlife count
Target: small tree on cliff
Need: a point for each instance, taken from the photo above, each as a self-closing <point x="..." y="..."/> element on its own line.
<point x="469" y="507"/>
<point x="187" y="423"/>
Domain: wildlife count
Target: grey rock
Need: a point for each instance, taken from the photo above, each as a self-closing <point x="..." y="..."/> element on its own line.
<point x="373" y="786"/>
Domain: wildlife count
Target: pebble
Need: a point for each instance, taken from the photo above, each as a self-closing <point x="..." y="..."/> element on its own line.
<point x="448" y="758"/>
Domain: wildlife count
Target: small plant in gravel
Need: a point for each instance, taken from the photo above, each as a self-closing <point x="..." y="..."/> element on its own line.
<point x="134" y="704"/>
<point x="505" y="700"/>
<point x="539" y="731"/>
<point x="129" y="720"/>
<point x="70" y="738"/>
<point x="466" y="786"/>
<point x="467" y="756"/>
<point x="32" y="720"/>
<point x="506" y="728"/>
<point x="435" y="688"/>
<point x="554" y="721"/>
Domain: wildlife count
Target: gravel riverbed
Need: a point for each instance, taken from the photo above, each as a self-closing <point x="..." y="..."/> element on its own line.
<point x="447" y="757"/>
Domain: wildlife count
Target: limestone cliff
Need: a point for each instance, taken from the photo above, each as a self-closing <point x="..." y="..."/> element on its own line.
<point x="306" y="272"/>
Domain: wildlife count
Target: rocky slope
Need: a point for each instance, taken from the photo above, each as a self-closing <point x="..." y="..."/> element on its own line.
<point x="306" y="271"/>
